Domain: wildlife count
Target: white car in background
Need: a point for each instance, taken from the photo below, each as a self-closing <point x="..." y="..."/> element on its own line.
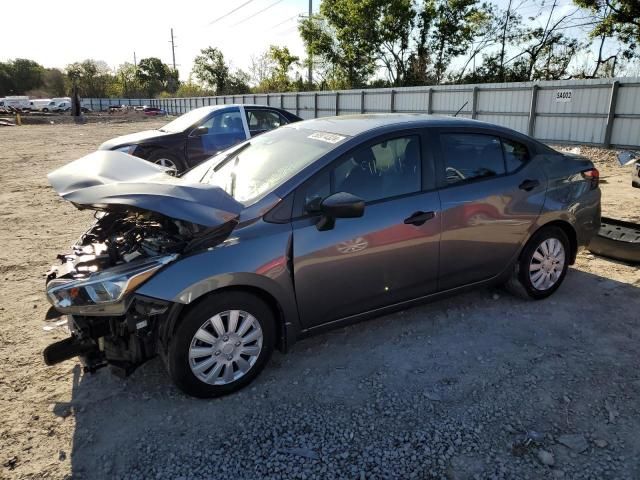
<point x="43" y="105"/>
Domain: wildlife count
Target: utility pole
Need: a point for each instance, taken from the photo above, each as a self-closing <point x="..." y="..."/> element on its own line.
<point x="135" y="61"/>
<point x="173" y="49"/>
<point x="310" y="52"/>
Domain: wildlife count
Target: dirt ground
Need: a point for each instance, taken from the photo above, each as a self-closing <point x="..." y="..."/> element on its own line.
<point x="481" y="384"/>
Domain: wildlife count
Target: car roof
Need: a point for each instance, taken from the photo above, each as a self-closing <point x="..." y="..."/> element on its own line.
<point x="352" y="125"/>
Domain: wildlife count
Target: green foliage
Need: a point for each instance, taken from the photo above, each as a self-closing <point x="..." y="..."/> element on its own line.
<point x="153" y="76"/>
<point x="616" y="18"/>
<point x="211" y="69"/>
<point x="19" y="76"/>
<point x="92" y="77"/>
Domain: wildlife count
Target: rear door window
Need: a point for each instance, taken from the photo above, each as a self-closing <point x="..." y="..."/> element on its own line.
<point x="515" y="154"/>
<point x="471" y="156"/>
<point x="260" y="121"/>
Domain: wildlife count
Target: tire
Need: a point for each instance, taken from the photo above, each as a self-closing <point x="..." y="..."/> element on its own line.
<point x="200" y="350"/>
<point x="45" y="110"/>
<point x="165" y="158"/>
<point x="530" y="284"/>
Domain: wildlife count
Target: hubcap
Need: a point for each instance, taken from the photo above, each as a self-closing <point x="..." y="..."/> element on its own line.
<point x="225" y="347"/>
<point x="171" y="167"/>
<point x="547" y="264"/>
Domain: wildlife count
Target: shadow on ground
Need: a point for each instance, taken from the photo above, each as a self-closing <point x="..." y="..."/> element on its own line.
<point x="453" y="387"/>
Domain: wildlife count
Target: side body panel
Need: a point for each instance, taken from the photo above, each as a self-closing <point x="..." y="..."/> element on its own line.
<point x="486" y="221"/>
<point x="368" y="262"/>
<point x="256" y="255"/>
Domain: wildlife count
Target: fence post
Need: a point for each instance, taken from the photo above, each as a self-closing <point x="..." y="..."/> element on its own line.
<point x="100" y="104"/>
<point x="281" y="100"/>
<point x="429" y="101"/>
<point x="297" y="104"/>
<point x="612" y="113"/>
<point x="91" y="103"/>
<point x="337" y="103"/>
<point x="532" y="111"/>
<point x="474" y="103"/>
<point x="315" y="105"/>
<point x="362" y="101"/>
<point x="392" y="101"/>
<point x="254" y="98"/>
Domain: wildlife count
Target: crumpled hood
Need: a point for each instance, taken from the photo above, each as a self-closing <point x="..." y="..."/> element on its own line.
<point x="131" y="139"/>
<point x="111" y="181"/>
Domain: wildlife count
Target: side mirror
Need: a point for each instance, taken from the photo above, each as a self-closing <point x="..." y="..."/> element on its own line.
<point x="199" y="131"/>
<point x="626" y="157"/>
<point x="339" y="205"/>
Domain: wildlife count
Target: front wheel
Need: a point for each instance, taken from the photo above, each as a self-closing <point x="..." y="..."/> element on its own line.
<point x="542" y="265"/>
<point x="222" y="344"/>
<point x="167" y="160"/>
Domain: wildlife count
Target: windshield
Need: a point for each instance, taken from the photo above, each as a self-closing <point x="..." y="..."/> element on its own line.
<point x="187" y="120"/>
<point x="254" y="168"/>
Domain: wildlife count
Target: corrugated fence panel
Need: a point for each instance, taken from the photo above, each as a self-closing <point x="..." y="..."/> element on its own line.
<point x="350" y="102"/>
<point x="408" y="101"/>
<point x="516" y="122"/>
<point x="447" y="101"/>
<point x="572" y="111"/>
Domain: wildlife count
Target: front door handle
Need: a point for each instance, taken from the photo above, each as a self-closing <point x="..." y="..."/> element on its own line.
<point x="528" y="185"/>
<point x="418" y="218"/>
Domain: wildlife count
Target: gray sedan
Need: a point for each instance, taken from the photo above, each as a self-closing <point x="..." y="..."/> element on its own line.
<point x="316" y="224"/>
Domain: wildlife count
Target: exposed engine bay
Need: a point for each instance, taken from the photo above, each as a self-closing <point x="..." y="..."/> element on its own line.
<point x="118" y="238"/>
<point x="123" y="334"/>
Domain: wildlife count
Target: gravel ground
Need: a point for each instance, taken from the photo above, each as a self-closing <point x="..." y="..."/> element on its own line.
<point x="481" y="385"/>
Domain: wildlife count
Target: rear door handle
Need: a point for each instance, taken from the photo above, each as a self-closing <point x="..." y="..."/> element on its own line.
<point x="418" y="218"/>
<point x="528" y="185"/>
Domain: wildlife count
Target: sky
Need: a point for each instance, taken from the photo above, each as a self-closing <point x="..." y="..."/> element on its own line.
<point x="112" y="31"/>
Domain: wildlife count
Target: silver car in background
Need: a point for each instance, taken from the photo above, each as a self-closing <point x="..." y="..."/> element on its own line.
<point x="316" y="224"/>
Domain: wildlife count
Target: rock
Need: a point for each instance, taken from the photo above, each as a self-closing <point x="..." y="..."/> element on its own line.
<point x="600" y="443"/>
<point x="463" y="467"/>
<point x="433" y="396"/>
<point x="575" y="442"/>
<point x="301" y="452"/>
<point x="546" y="458"/>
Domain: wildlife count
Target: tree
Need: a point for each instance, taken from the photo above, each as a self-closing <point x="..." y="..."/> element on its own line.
<point x="211" y="69"/>
<point x="280" y="60"/>
<point x="19" y="76"/>
<point x="345" y="36"/>
<point x="396" y="23"/>
<point x="616" y="18"/>
<point x="93" y="78"/>
<point x="455" y="25"/>
<point x="53" y="82"/>
<point x="155" y="76"/>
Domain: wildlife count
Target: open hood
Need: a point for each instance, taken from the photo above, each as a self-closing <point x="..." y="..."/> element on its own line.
<point x="115" y="181"/>
<point x="132" y="139"/>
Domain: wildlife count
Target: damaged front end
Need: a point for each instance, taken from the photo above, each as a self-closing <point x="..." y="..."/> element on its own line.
<point x="94" y="285"/>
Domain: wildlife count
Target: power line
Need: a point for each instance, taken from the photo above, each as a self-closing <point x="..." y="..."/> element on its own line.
<point x="285" y="21"/>
<point x="258" y="12"/>
<point x="229" y="13"/>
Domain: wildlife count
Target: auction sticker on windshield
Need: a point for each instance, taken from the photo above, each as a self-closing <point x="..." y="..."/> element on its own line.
<point x="326" y="137"/>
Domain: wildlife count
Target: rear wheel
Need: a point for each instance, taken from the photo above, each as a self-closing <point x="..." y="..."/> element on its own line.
<point x="222" y="344"/>
<point x="542" y="265"/>
<point x="167" y="160"/>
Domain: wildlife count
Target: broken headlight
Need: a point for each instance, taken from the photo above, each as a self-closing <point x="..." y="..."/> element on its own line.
<point x="106" y="287"/>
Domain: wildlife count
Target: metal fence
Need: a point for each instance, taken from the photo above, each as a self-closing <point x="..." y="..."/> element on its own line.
<point x="595" y="112"/>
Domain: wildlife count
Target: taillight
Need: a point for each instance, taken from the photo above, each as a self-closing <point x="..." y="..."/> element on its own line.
<point x="593" y="175"/>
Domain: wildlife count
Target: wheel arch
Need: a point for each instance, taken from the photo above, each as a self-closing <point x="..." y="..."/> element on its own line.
<point x="286" y="331"/>
<point x="569" y="231"/>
